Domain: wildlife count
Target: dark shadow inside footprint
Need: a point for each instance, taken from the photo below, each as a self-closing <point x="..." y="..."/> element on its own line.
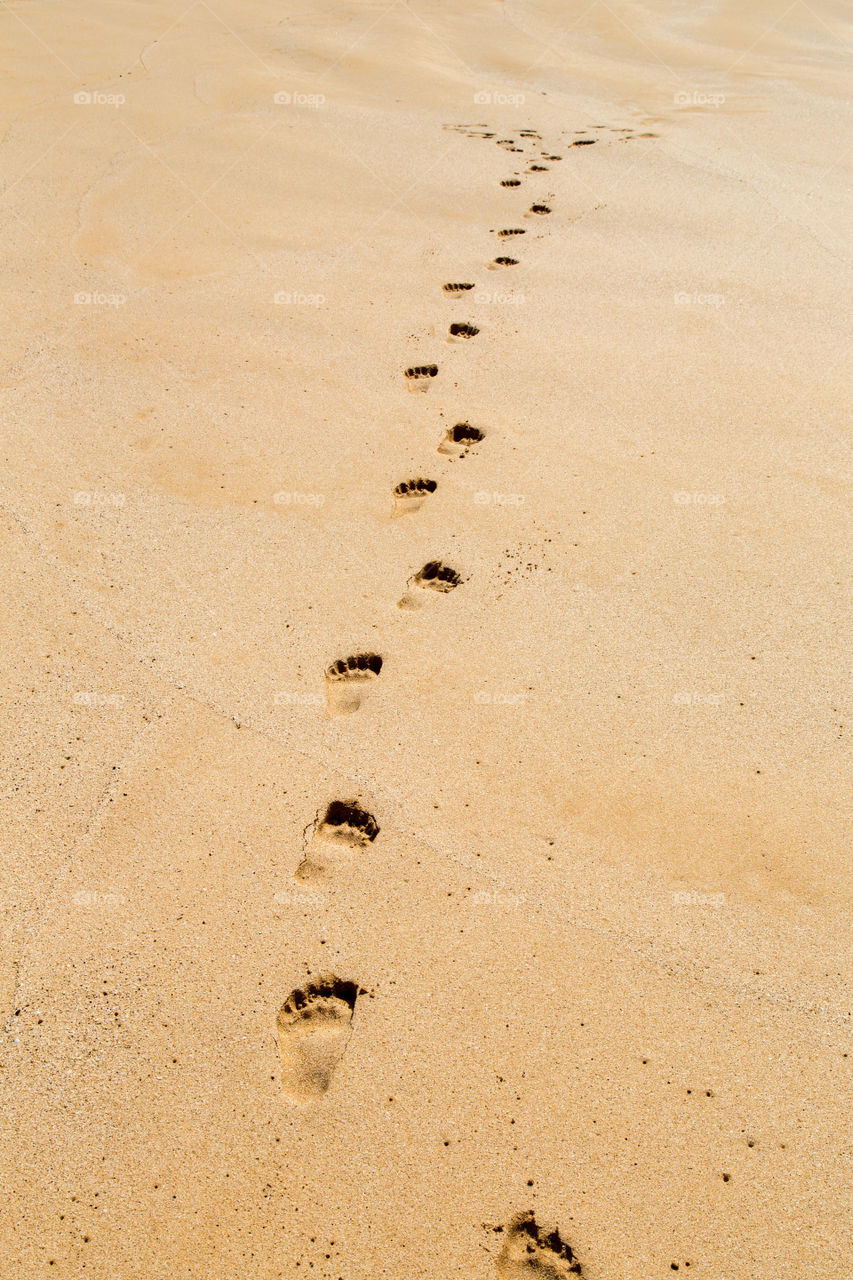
<point x="529" y="1253"/>
<point x="437" y="576"/>
<point x="347" y="822"/>
<point x="512" y="231"/>
<point x="457" y="288"/>
<point x="329" y="987"/>
<point x="459" y="439"/>
<point x="584" y="142"/>
<point x="510" y="182"/>
<point x="538" y="168"/>
<point x="540" y="208"/>
<point x="507" y="262"/>
<point x="463" y="331"/>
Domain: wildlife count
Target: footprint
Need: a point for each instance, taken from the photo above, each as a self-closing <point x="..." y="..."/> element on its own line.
<point x="313" y="1029"/>
<point x="347" y="681"/>
<point x="457" y="288"/>
<point x="510" y="182"/>
<point x="531" y="1254"/>
<point x="539" y="208"/>
<point x="434" y="576"/>
<point x="463" y="331"/>
<point x="345" y="826"/>
<point x="512" y="231"/>
<point x="538" y="168"/>
<point x="411" y="494"/>
<point x="553" y="157"/>
<point x="584" y="142"/>
<point x="503" y="262"/>
<point x="459" y="439"/>
<point x="505" y="142"/>
<point x="418" y="376"/>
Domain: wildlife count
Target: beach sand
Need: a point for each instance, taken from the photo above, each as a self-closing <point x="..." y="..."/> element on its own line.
<point x="519" y="943"/>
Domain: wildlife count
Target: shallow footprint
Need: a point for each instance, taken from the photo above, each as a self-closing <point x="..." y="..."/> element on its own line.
<point x="433" y="577"/>
<point x="459" y="439"/>
<point x="418" y="376"/>
<point x="345" y="825"/>
<point x="529" y="1253"/>
<point x="313" y="1029"/>
<point x="411" y="494"/>
<point x="347" y="682"/>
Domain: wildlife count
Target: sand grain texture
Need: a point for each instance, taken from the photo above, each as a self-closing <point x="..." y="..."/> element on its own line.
<point x="360" y="941"/>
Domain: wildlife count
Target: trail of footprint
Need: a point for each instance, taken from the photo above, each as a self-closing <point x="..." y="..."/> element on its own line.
<point x="529" y="1253"/>
<point x="348" y="680"/>
<point x="433" y="578"/>
<point x="313" y="1028"/>
<point x="410" y="495"/>
<point x="345" y="827"/>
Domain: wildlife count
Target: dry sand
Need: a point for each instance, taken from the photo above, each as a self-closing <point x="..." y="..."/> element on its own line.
<point x="572" y="939"/>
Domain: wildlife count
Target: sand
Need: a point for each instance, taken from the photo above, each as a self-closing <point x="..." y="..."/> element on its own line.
<point x="426" y="795"/>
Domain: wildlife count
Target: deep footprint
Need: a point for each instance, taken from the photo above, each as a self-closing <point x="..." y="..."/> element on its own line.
<point x="512" y="231"/>
<point x="504" y="262"/>
<point x="539" y="208"/>
<point x="529" y="1253"/>
<point x="510" y="182"/>
<point x="459" y="439"/>
<point x="411" y="494"/>
<point x="313" y="1029"/>
<point x="463" y="331"/>
<point x="457" y="288"/>
<point x="348" y="680"/>
<point x="433" y="577"/>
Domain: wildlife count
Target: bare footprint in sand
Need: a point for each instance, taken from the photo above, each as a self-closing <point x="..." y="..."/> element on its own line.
<point x="459" y="440"/>
<point x="418" y="376"/>
<point x="411" y="494"/>
<point x="457" y="287"/>
<point x="313" y="1029"/>
<point x="433" y="577"/>
<point x="348" y="680"/>
<point x="503" y="262"/>
<point x="529" y="1253"/>
<point x="345" y="827"/>
<point x="462" y="330"/>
